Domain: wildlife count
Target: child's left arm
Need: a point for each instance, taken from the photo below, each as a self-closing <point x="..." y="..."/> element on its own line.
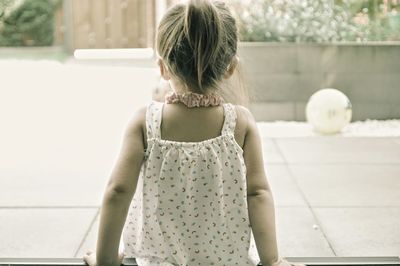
<point x="118" y="194"/>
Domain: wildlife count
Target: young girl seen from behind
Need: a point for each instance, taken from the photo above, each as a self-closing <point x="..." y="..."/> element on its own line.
<point x="189" y="186"/>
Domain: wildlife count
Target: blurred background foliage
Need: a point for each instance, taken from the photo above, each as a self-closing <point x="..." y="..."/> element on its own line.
<point x="27" y="22"/>
<point x="318" y="20"/>
<point x="32" y="22"/>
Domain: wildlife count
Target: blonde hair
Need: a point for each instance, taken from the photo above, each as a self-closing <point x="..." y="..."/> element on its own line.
<point x="197" y="41"/>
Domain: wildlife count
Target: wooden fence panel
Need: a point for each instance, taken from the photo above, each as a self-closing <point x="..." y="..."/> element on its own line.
<point x="99" y="36"/>
<point x="150" y="19"/>
<point x="80" y="24"/>
<point x="59" y="27"/>
<point x="132" y="29"/>
<point x="112" y="23"/>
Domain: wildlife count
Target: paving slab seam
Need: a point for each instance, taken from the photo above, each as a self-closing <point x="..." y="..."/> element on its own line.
<point x="319" y="224"/>
<point x="87" y="233"/>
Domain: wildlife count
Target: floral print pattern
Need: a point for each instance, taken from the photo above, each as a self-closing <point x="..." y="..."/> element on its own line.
<point x="190" y="205"/>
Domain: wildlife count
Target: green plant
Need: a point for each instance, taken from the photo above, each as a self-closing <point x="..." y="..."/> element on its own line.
<point x="317" y="20"/>
<point x="293" y="21"/>
<point x="29" y="24"/>
<point x="4" y="4"/>
<point x="378" y="20"/>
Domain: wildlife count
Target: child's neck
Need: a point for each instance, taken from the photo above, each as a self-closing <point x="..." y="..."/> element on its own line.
<point x="178" y="87"/>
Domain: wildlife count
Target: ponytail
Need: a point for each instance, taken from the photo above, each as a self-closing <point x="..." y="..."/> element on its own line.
<point x="202" y="29"/>
<point x="197" y="41"/>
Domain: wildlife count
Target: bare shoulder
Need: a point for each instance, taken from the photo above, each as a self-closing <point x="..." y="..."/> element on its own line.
<point x="244" y="123"/>
<point x="253" y="154"/>
<point x="137" y="124"/>
<point x="126" y="170"/>
<point x="245" y="119"/>
<point x="138" y="119"/>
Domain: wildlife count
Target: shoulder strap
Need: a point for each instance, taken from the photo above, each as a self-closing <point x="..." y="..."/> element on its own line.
<point x="153" y="119"/>
<point x="230" y="119"/>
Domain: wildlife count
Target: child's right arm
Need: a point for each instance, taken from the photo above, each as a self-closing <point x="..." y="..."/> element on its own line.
<point x="259" y="197"/>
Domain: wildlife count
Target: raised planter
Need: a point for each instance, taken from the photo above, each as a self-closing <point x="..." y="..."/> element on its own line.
<point x="282" y="76"/>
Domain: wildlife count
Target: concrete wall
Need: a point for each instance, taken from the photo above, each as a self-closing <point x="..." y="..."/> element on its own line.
<point x="281" y="77"/>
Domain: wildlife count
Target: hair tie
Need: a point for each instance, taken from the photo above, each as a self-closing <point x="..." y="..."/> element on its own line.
<point x="191" y="99"/>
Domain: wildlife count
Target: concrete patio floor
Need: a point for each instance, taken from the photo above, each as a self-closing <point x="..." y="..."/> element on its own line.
<point x="334" y="197"/>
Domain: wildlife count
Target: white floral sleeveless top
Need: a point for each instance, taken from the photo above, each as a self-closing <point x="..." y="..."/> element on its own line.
<point x="190" y="205"/>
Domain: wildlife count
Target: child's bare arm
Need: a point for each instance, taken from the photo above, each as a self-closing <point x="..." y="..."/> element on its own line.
<point x="259" y="199"/>
<point x="259" y="196"/>
<point x="120" y="190"/>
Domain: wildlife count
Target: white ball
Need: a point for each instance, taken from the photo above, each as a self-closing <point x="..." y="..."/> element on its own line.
<point x="329" y="111"/>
